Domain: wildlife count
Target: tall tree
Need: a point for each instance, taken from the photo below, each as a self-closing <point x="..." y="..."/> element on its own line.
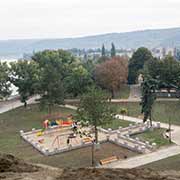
<point x="103" y="51"/>
<point x="113" y="50"/>
<point x="24" y="75"/>
<point x="112" y="74"/>
<point x="148" y="97"/>
<point x="77" y="82"/>
<point x="54" y="68"/>
<point x="167" y="71"/>
<point x="96" y="109"/>
<point x="137" y="62"/>
<point x="4" y="81"/>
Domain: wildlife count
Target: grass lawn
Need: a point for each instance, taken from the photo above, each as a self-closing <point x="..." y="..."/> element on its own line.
<point x="171" y="163"/>
<point x="123" y="93"/>
<point x="155" y="136"/>
<point x="18" y="119"/>
<point x="162" y="111"/>
<point x="116" y="123"/>
<point x="25" y="119"/>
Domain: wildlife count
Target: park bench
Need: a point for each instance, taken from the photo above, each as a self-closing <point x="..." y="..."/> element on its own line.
<point x="108" y="160"/>
<point x="87" y="140"/>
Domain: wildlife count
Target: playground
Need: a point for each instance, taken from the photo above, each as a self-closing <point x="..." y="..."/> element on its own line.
<point x="65" y="134"/>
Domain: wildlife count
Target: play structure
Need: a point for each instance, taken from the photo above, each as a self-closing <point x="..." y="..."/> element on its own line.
<point x="61" y="135"/>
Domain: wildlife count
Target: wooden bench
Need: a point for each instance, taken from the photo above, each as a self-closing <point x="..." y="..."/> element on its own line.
<point x="87" y="140"/>
<point x="108" y="160"/>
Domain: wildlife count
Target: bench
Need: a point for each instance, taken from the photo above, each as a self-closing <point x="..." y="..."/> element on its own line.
<point x="87" y="140"/>
<point x="108" y="160"/>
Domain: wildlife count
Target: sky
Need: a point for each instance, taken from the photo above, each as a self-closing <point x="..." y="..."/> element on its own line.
<point x="24" y="19"/>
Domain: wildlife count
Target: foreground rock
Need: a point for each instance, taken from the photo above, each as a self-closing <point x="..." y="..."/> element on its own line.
<point x="12" y="168"/>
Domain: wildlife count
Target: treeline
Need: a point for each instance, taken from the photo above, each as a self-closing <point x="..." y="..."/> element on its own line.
<point x="166" y="71"/>
<point x="57" y="74"/>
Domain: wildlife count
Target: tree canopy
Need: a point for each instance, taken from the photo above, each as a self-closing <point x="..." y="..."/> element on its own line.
<point x="95" y="108"/>
<point x="137" y="62"/>
<point x="112" y="74"/>
<point x="24" y="75"/>
<point x="4" y="81"/>
<point x="54" y="67"/>
<point x="167" y="71"/>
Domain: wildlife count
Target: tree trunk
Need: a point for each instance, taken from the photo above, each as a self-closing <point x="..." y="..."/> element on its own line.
<point x="96" y="134"/>
<point x="49" y="108"/>
<point x="112" y="93"/>
<point x="25" y="104"/>
<point x="150" y="118"/>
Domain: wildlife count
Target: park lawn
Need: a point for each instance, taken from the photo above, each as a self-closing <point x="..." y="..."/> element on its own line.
<point x="123" y="93"/>
<point x="162" y="110"/>
<point x="155" y="136"/>
<point x="25" y="119"/>
<point x="116" y="123"/>
<point x="171" y="163"/>
<point x="18" y="119"/>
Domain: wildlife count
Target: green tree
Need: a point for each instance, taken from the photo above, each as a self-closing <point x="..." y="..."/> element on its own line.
<point x="95" y="108"/>
<point x="148" y="97"/>
<point x="103" y="51"/>
<point x="137" y="62"/>
<point x="24" y="75"/>
<point x="113" y="50"/>
<point x="4" y="81"/>
<point x="167" y="71"/>
<point x="77" y="81"/>
<point x="54" y="66"/>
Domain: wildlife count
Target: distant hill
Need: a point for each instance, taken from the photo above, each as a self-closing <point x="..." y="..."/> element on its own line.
<point x="148" y="38"/>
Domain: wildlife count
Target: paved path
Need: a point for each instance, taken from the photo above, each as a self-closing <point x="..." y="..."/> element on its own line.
<point x="145" y="159"/>
<point x="14" y="103"/>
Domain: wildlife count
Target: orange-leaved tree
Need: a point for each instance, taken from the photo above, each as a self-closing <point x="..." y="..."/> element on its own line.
<point x="112" y="74"/>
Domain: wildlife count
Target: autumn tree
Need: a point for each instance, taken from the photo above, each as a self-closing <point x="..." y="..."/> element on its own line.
<point x="112" y="74"/>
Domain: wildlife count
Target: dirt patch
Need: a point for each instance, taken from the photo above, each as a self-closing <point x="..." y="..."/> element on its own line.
<point x="8" y="163"/>
<point x="115" y="174"/>
<point x="16" y="169"/>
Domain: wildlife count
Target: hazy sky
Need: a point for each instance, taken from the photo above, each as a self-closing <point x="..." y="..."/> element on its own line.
<point x="71" y="18"/>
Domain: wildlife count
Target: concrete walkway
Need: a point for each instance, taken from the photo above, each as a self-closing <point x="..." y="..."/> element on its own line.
<point x="135" y="91"/>
<point x="14" y="103"/>
<point x="145" y="159"/>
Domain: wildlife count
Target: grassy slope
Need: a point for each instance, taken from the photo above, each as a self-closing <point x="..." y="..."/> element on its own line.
<point x="155" y="136"/>
<point x="162" y="111"/>
<point x="123" y="93"/>
<point x="25" y="119"/>
<point x="21" y="119"/>
<point x="166" y="164"/>
<point x="116" y="123"/>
